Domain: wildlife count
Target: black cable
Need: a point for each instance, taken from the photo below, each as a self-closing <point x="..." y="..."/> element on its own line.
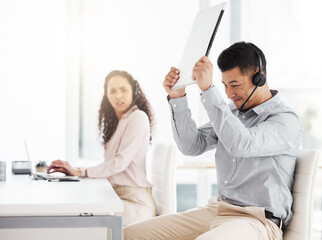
<point x="247" y="99"/>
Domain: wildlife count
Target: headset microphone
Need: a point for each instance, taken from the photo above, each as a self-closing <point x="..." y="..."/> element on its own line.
<point x="247" y="99"/>
<point x="259" y="78"/>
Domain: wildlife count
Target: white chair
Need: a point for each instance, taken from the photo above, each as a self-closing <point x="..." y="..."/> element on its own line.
<point x="162" y="177"/>
<point x="303" y="195"/>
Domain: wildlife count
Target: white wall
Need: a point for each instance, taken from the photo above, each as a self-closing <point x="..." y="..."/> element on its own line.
<point x="48" y="46"/>
<point x="288" y="32"/>
<point x="32" y="78"/>
<point x="144" y="38"/>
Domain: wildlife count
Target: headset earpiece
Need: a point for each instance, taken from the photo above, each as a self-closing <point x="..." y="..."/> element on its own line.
<point x="259" y="78"/>
<point x="136" y="94"/>
<point x="137" y="91"/>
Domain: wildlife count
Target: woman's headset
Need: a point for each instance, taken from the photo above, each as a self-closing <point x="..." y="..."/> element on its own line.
<point x="136" y="94"/>
<point x="136" y="91"/>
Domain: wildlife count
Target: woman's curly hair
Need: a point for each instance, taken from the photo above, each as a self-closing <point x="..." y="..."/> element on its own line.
<point x="107" y="119"/>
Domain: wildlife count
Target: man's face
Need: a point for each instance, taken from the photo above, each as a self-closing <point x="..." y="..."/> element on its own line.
<point x="238" y="87"/>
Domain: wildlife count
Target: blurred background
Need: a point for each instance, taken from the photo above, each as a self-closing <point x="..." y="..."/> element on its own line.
<point x="55" y="54"/>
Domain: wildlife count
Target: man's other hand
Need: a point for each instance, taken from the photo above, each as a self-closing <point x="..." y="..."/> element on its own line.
<point x="170" y="79"/>
<point x="202" y="73"/>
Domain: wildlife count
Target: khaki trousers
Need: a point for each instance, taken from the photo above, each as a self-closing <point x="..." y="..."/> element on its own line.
<point x="215" y="221"/>
<point x="138" y="203"/>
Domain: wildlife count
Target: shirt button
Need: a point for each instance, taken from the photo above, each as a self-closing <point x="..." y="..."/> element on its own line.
<point x="223" y="198"/>
<point x="243" y="117"/>
<point x="203" y="100"/>
<point x="212" y="123"/>
<point x="234" y="160"/>
<point x="226" y="182"/>
<point x="174" y="105"/>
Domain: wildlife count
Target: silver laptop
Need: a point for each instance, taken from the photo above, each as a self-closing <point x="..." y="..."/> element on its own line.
<point x="199" y="42"/>
<point x="46" y="176"/>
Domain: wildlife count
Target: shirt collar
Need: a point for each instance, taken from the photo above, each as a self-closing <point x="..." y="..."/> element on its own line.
<point x="269" y="104"/>
<point x="128" y="113"/>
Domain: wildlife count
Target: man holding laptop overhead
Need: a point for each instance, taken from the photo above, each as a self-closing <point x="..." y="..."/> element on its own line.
<point x="256" y="140"/>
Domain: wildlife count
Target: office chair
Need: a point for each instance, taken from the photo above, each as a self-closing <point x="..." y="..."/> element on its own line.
<point x="162" y="178"/>
<point x="303" y="195"/>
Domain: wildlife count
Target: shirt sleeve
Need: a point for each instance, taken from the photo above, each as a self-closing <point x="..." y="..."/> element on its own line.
<point x="190" y="139"/>
<point x="136" y="135"/>
<point x="280" y="133"/>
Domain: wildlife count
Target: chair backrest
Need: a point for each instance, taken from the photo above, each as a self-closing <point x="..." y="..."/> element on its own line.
<point x="303" y="195"/>
<point x="162" y="177"/>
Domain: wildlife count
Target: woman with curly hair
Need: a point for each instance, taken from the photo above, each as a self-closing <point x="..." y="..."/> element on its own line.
<point x="125" y="123"/>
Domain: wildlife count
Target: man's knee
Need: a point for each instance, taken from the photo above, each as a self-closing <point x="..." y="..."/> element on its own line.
<point x="248" y="229"/>
<point x="129" y="233"/>
<point x="201" y="237"/>
<point x="137" y="231"/>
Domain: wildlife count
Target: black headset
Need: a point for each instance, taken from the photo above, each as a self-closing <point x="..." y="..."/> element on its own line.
<point x="136" y="94"/>
<point x="259" y="78"/>
<point x="136" y="91"/>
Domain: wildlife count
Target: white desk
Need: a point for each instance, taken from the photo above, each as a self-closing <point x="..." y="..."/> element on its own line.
<point x="25" y="203"/>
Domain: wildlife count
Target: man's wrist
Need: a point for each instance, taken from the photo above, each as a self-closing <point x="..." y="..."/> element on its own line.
<point x="174" y="97"/>
<point x="208" y="87"/>
<point x="177" y="96"/>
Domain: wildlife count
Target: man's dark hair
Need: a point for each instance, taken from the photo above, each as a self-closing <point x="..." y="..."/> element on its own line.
<point x="243" y="56"/>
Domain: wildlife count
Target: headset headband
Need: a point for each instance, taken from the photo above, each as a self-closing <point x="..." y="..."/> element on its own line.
<point x="258" y="56"/>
